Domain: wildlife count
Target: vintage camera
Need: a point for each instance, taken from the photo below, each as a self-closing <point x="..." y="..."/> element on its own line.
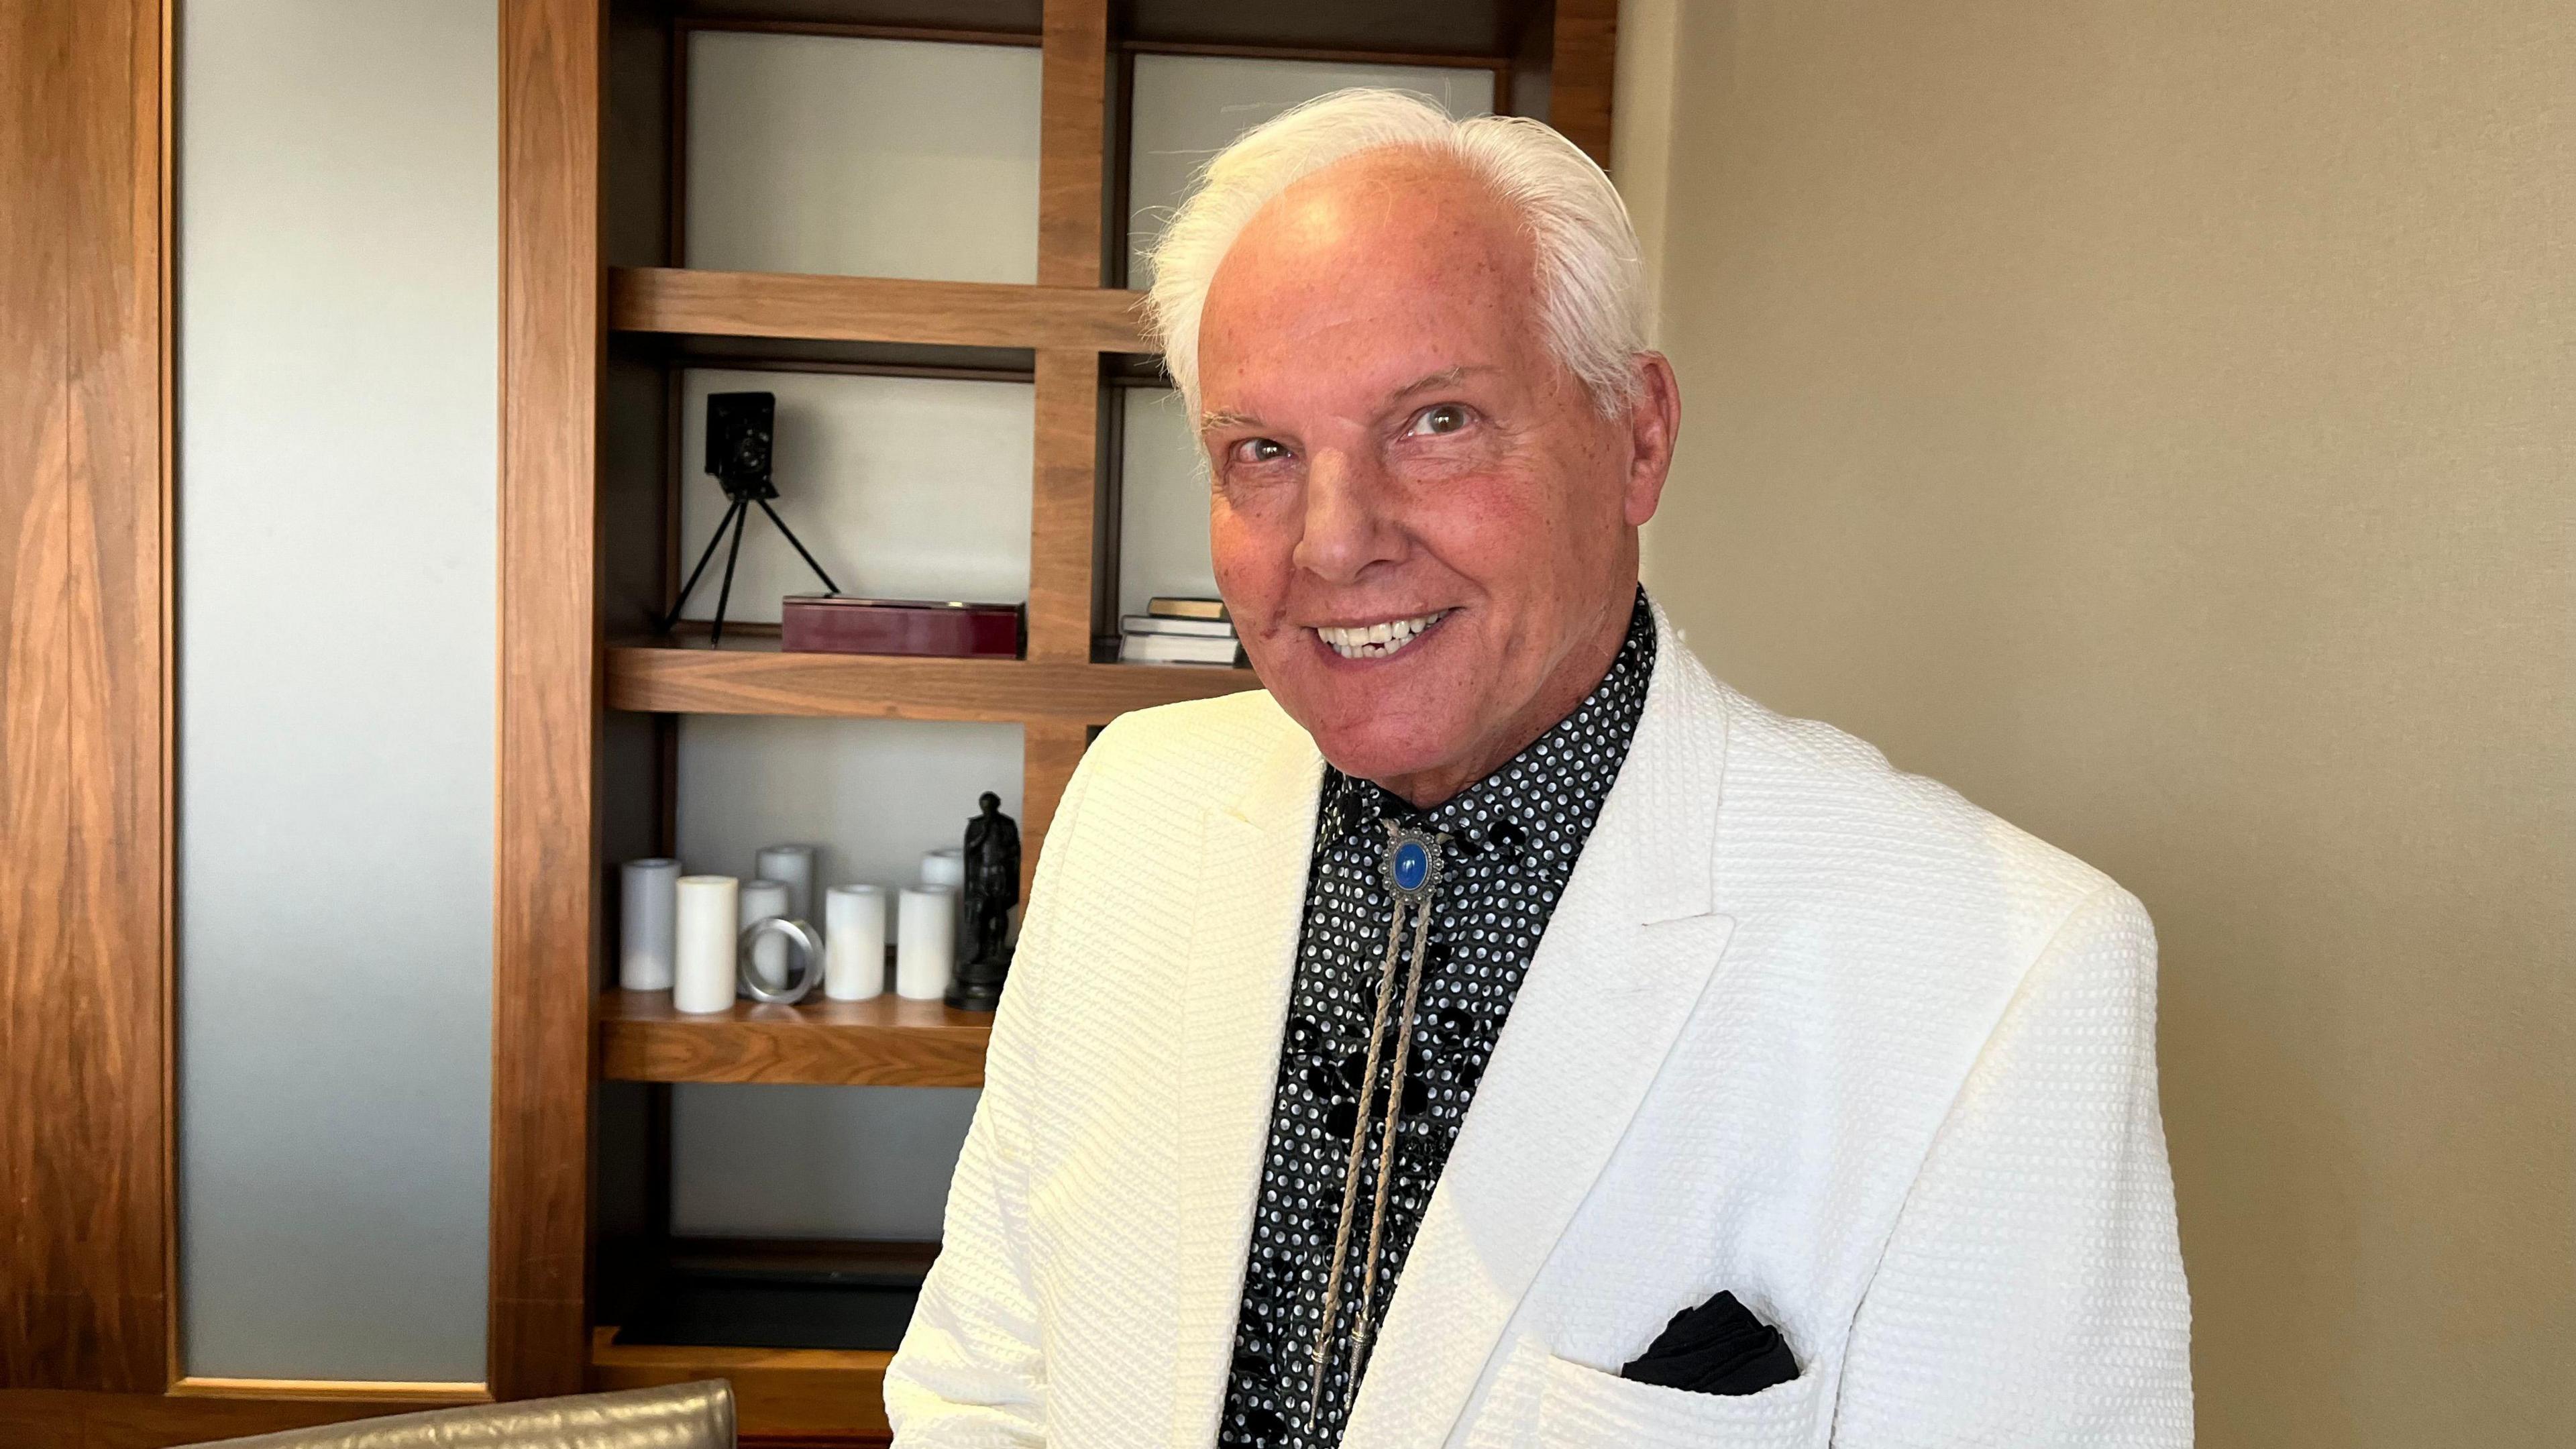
<point x="739" y="428"/>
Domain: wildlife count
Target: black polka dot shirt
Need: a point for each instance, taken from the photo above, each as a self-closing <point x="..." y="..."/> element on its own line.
<point x="1514" y="839"/>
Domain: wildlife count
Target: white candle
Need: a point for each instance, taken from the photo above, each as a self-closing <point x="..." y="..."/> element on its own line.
<point x="762" y="899"/>
<point x="794" y="866"/>
<point x="945" y="868"/>
<point x="925" y="943"/>
<point x="707" y="929"/>
<point x="854" y="937"/>
<point x="648" y="906"/>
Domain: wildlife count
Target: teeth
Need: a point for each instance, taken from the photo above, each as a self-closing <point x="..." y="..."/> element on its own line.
<point x="1376" y="641"/>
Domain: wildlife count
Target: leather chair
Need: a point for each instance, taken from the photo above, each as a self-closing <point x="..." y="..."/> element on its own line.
<point x="680" y="1416"/>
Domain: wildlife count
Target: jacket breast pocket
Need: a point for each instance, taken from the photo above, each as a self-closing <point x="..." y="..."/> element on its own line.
<point x="1582" y="1407"/>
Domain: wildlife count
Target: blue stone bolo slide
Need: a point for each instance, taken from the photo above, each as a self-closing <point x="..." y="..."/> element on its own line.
<point x="1412" y="874"/>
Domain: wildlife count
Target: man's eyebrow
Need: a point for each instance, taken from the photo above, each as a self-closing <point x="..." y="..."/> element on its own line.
<point x="1443" y="378"/>
<point x="1227" y="418"/>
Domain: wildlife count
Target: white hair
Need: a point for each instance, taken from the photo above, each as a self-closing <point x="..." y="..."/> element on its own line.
<point x="1589" y="277"/>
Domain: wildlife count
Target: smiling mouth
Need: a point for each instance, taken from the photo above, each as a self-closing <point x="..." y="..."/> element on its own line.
<point x="1376" y="641"/>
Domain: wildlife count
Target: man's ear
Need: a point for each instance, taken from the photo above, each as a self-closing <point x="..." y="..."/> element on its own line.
<point x="1654" y="420"/>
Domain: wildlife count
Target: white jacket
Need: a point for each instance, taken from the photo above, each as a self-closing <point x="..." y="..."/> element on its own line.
<point x="1802" y="1027"/>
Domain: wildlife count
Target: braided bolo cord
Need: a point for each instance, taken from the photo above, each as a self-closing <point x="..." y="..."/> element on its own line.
<point x="1386" y="1150"/>
<point x="1351" y="1172"/>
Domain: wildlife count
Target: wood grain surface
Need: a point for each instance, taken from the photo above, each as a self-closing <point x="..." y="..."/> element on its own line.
<point x="53" y="1419"/>
<point x="884" y="1042"/>
<point x="1064" y="506"/>
<point x="1585" y="56"/>
<point x="393" y="1395"/>
<point x="84" y="698"/>
<point x="821" y="1392"/>
<point x="753" y="680"/>
<point x="544" y="881"/>
<point x="872" y="309"/>
<point x="1073" y="125"/>
<point x="1049" y="751"/>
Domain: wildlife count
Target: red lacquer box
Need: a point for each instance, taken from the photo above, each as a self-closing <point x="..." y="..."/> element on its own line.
<point x="832" y="624"/>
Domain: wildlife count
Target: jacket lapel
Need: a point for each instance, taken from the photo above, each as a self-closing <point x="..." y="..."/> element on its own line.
<point x="1233" y="1013"/>
<point x="1622" y="964"/>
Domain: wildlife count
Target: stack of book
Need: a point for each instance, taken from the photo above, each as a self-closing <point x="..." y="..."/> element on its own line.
<point x="1179" y="631"/>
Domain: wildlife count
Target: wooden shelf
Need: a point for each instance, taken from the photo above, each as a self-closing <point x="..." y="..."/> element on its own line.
<point x="753" y="676"/>
<point x="873" y="309"/>
<point x="884" y="1042"/>
<point x="824" y="1392"/>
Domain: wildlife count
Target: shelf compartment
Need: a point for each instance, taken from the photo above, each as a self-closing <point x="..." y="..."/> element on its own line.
<point x="754" y="676"/>
<point x="858" y="155"/>
<point x="767" y="1293"/>
<point x="873" y="309"/>
<point x="886" y="1041"/>
<point x="823" y="1392"/>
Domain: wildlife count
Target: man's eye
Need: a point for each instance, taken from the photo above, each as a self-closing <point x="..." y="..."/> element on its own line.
<point x="1437" y="419"/>
<point x="1259" y="450"/>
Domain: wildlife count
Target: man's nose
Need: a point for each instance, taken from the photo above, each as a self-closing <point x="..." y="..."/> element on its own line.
<point x="1346" y="527"/>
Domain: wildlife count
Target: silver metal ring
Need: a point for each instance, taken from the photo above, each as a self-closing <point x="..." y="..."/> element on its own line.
<point x="805" y="945"/>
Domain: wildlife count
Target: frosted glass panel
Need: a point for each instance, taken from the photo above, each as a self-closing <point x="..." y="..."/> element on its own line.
<point x="877" y="158"/>
<point x="903" y="487"/>
<point x="1189" y="107"/>
<point x="338" y="236"/>
<point x="1162" y="503"/>
<point x="874" y="795"/>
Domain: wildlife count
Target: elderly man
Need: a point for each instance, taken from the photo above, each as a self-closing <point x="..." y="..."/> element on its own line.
<point x="1498" y="1032"/>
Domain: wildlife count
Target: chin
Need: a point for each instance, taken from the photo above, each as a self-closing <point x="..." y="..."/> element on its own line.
<point x="1362" y="738"/>
<point x="1346" y="704"/>
<point x="1378" y="754"/>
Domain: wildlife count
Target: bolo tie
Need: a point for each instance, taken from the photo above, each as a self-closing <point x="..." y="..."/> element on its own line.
<point x="1411" y="870"/>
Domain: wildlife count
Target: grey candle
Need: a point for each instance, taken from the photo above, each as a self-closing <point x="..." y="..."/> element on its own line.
<point x="793" y="867"/>
<point x="648" y="913"/>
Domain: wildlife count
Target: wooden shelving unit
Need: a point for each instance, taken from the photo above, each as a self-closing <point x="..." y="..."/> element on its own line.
<point x="600" y="315"/>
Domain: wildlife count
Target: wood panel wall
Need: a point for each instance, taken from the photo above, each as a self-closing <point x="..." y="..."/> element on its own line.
<point x="84" y="697"/>
<point x="546" y="890"/>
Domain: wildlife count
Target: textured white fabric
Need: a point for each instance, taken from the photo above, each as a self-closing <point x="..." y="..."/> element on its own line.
<point x="1802" y="1027"/>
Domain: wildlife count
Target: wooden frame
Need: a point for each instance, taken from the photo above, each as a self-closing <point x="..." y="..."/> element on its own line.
<point x="545" y="879"/>
<point x="86" y="1245"/>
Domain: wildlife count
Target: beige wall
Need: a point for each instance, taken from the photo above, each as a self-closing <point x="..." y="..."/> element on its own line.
<point x="2158" y="420"/>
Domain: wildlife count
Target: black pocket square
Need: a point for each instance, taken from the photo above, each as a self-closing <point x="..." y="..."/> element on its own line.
<point x="1717" y="1348"/>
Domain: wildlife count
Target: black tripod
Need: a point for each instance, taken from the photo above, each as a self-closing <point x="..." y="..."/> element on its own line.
<point x="743" y="495"/>
<point x="738" y="429"/>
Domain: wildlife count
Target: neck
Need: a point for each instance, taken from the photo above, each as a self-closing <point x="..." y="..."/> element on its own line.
<point x="1577" y="674"/>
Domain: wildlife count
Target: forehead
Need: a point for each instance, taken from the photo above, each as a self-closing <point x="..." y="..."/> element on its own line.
<point x="1366" y="275"/>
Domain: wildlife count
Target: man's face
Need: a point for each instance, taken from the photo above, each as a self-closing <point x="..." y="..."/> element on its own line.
<point x="1422" y="524"/>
